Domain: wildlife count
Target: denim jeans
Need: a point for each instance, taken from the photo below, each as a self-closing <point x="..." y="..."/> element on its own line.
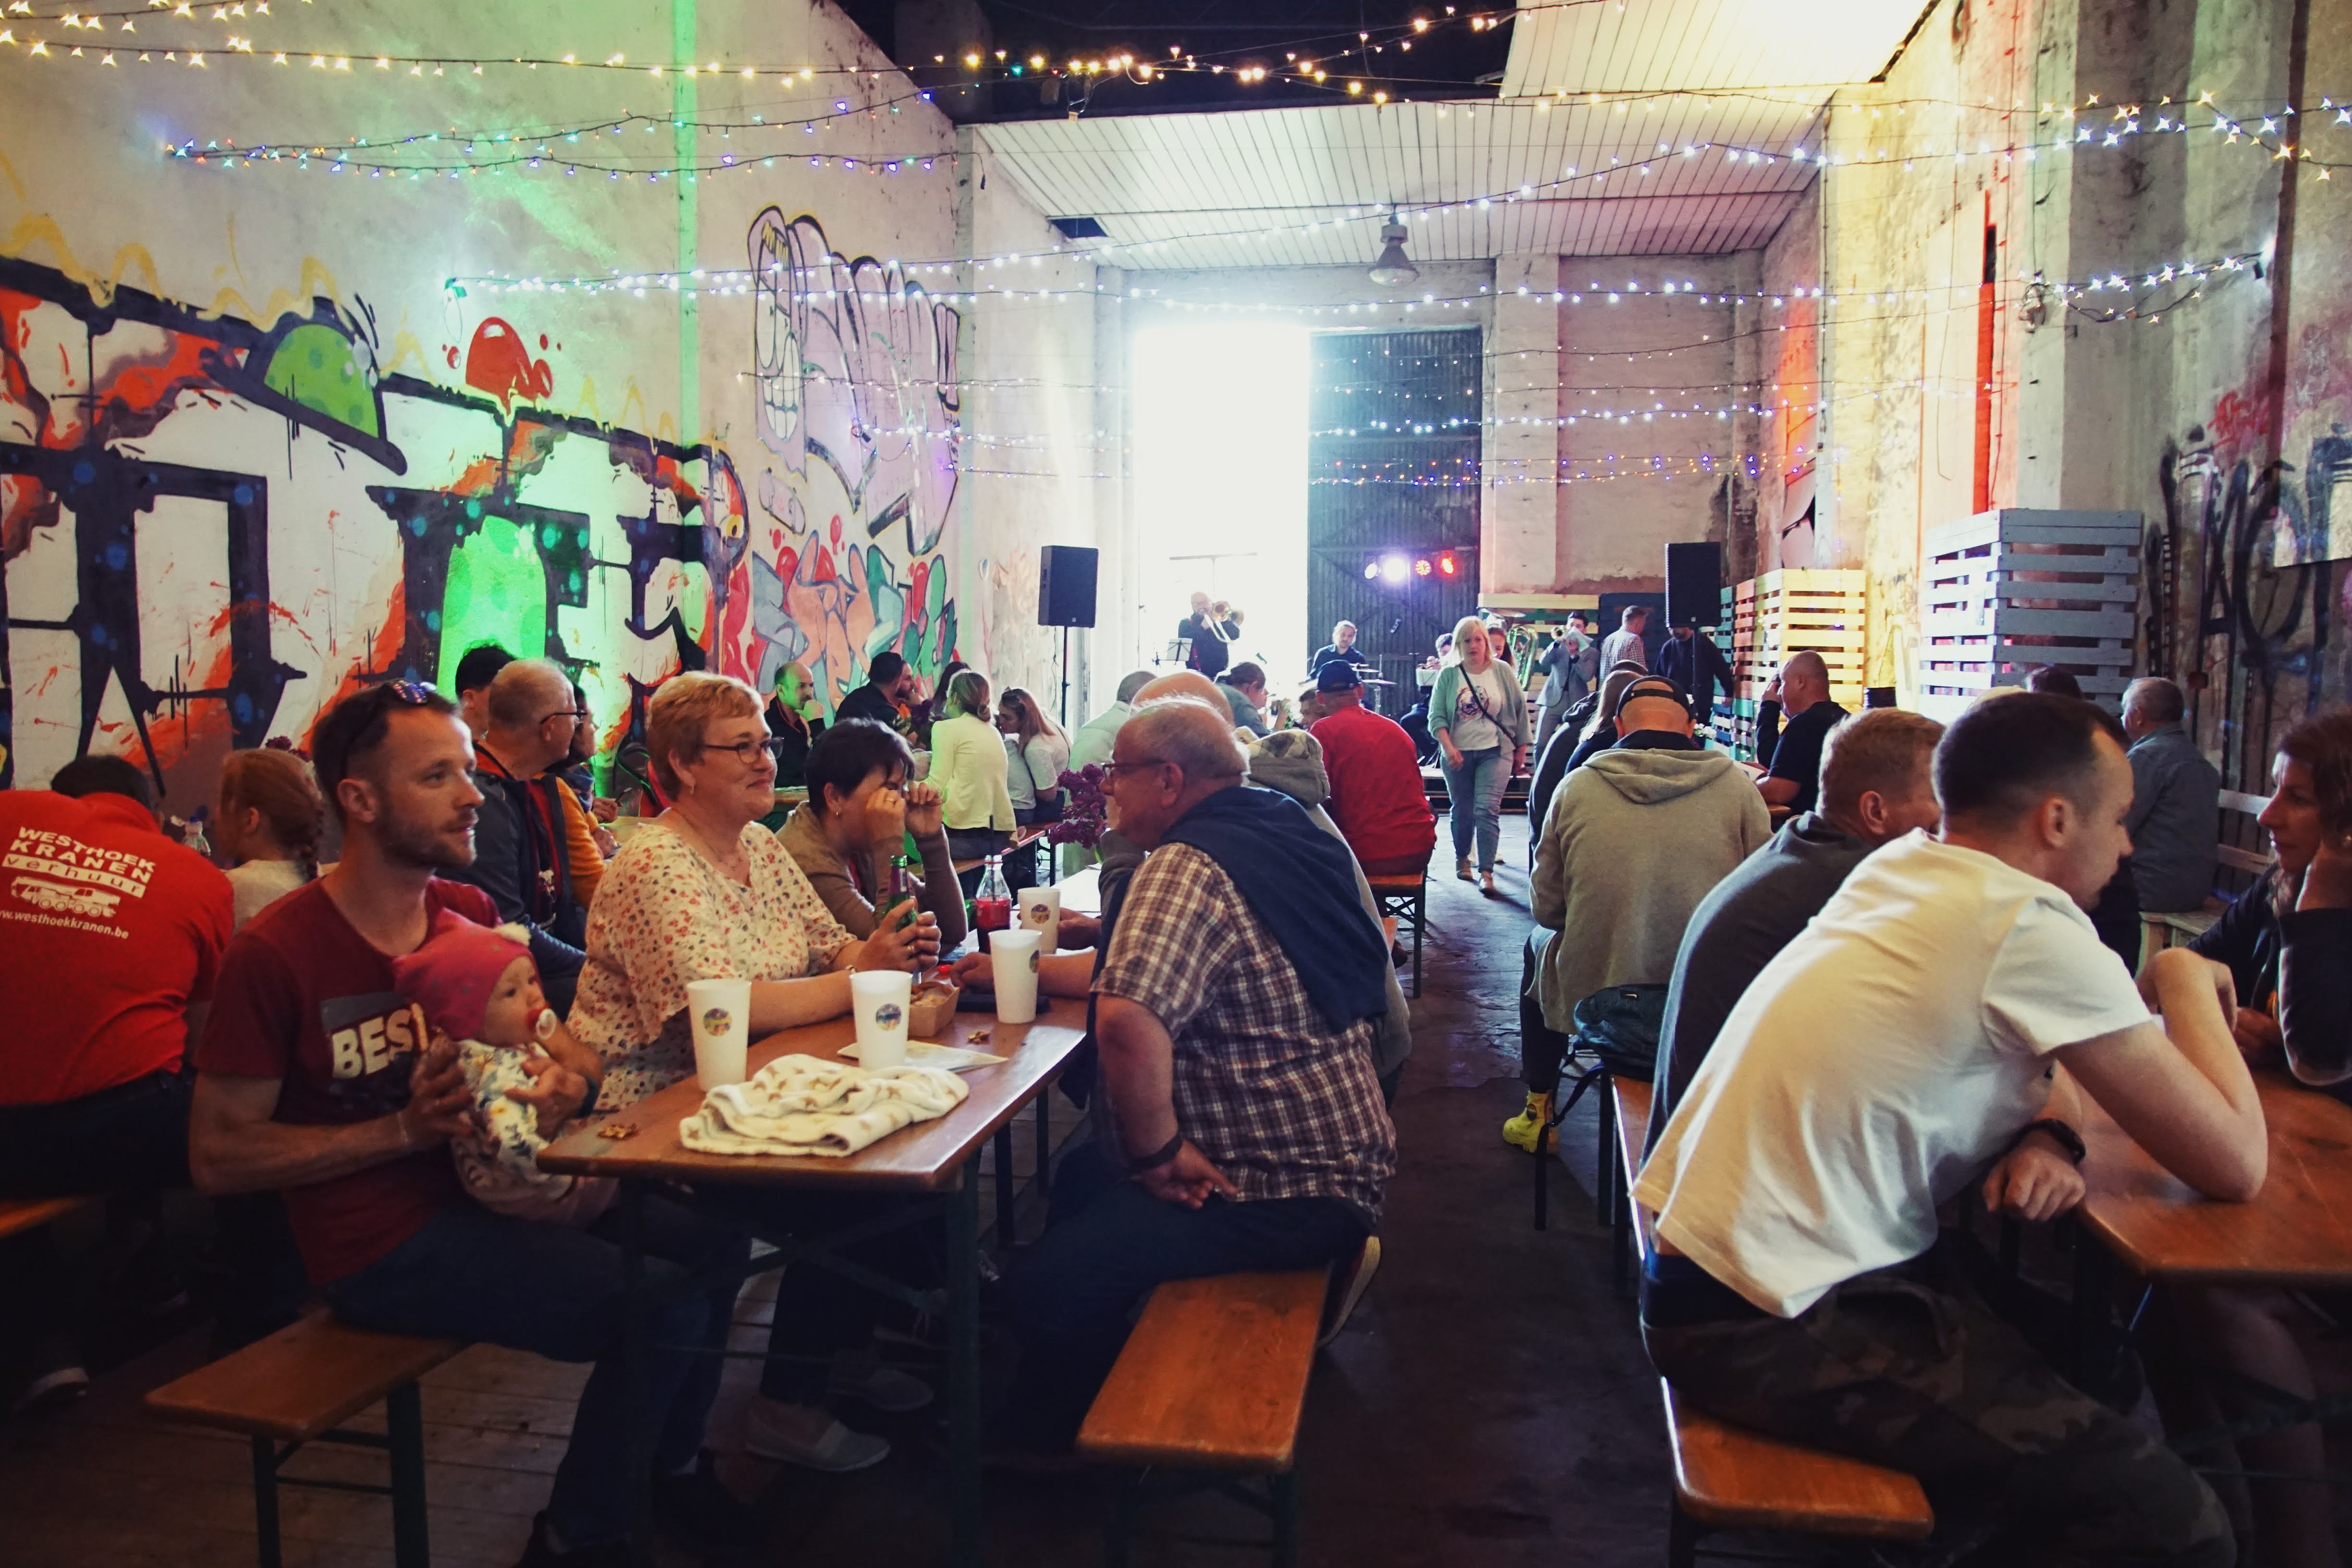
<point x="1473" y="794"/>
<point x="558" y="1292"/>
<point x="1073" y="1294"/>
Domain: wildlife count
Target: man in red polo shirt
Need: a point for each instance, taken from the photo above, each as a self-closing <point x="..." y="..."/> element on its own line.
<point x="1376" y="792"/>
<point x="110" y="935"/>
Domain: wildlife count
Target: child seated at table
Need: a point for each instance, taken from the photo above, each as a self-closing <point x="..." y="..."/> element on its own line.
<point x="478" y="985"/>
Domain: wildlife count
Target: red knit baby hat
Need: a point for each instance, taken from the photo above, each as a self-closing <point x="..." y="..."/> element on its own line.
<point x="453" y="974"/>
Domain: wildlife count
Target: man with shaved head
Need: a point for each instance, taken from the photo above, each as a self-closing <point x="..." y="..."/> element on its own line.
<point x="520" y="842"/>
<point x="1237" y="1006"/>
<point x="1792" y="757"/>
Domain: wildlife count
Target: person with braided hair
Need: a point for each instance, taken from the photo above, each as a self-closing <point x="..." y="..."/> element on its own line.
<point x="271" y="820"/>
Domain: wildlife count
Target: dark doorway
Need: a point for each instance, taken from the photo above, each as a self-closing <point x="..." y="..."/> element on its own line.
<point x="1392" y="494"/>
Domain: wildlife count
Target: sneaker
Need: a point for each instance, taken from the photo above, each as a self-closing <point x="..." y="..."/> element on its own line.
<point x="877" y="1384"/>
<point x="1522" y="1130"/>
<point x="1487" y="881"/>
<point x="53" y="1390"/>
<point x="693" y="1510"/>
<point x="1462" y="869"/>
<point x="1349" y="1290"/>
<point x="805" y="1435"/>
<point x="539" y="1555"/>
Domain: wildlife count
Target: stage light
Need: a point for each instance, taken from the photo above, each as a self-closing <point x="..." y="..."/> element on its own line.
<point x="1445" y="564"/>
<point x="1371" y="571"/>
<point x="1421" y="568"/>
<point x="1394" y="568"/>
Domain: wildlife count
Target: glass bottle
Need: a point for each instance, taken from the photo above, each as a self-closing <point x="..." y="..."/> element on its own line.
<point x="992" y="904"/>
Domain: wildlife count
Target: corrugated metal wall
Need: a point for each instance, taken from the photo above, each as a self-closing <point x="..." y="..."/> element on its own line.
<point x="1393" y="466"/>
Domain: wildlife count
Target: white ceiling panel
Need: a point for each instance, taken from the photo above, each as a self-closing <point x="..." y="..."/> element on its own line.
<point x="1697" y="162"/>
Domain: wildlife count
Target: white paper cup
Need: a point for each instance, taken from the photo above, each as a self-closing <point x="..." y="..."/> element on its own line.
<point x="1013" y="962"/>
<point x="1041" y="912"/>
<point x="722" y="1014"/>
<point x="879" y="998"/>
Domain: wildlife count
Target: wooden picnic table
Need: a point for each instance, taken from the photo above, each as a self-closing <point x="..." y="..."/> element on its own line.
<point x="2296" y="1231"/>
<point x="935" y="1164"/>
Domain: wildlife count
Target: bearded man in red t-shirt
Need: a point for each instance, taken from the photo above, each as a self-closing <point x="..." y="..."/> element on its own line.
<point x="312" y="1079"/>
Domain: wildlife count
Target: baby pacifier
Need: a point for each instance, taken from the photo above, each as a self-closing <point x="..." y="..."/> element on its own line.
<point x="546" y="1023"/>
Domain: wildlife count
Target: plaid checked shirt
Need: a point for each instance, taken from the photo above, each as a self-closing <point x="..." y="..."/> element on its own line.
<point x="1285" y="1106"/>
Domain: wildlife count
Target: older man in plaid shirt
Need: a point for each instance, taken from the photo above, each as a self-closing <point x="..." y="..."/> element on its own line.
<point x="1234" y="1018"/>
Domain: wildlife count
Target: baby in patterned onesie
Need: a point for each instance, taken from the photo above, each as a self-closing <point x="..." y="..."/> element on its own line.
<point x="478" y="986"/>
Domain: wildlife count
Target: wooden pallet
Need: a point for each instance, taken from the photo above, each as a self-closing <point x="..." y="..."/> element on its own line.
<point x="2004" y="591"/>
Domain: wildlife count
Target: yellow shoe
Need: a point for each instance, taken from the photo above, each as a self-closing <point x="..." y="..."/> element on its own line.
<point x="1522" y="1130"/>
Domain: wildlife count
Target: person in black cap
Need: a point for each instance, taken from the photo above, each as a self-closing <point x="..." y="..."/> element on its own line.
<point x="1697" y="664"/>
<point x="1374" y="772"/>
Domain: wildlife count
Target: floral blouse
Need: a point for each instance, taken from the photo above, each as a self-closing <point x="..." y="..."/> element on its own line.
<point x="666" y="916"/>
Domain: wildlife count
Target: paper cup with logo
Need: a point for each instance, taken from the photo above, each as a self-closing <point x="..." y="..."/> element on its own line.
<point x="1041" y="912"/>
<point x="1013" y="961"/>
<point x="879" y="998"/>
<point x="722" y="1014"/>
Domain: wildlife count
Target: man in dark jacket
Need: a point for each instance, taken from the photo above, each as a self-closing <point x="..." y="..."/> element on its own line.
<point x="519" y="835"/>
<point x="1698" y="665"/>
<point x="1200" y="629"/>
<point x="888" y="683"/>
<point x="1876" y="784"/>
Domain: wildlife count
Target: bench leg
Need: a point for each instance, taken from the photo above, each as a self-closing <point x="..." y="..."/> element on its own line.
<point x="1120" y="1530"/>
<point x="403" y="1425"/>
<point x="1543" y="1175"/>
<point x="1605" y="1157"/>
<point x="265" y="1502"/>
<point x="1283" y="1490"/>
<point x="1681" y="1537"/>
<point x="1420" y="924"/>
<point x="1043" y="1177"/>
<point x="1621" y="1203"/>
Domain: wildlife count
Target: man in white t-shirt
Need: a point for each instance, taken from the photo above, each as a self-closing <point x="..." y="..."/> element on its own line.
<point x="1895" y="1051"/>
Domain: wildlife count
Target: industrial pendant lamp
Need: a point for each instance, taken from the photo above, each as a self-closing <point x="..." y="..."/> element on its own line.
<point x="1394" y="268"/>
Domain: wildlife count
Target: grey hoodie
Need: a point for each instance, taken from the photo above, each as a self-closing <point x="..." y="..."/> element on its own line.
<point x="1633" y="840"/>
<point x="1291" y="761"/>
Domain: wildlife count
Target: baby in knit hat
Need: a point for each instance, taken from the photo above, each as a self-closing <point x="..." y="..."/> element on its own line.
<point x="478" y="986"/>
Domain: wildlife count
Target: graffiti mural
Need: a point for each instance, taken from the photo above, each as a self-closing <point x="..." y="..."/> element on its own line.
<point x="858" y="421"/>
<point x="210" y="530"/>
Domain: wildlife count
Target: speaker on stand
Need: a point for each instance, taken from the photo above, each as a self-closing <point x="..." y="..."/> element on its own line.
<point x="1693" y="585"/>
<point x="1065" y="598"/>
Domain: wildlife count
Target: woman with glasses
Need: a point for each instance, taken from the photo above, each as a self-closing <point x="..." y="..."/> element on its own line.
<point x="968" y="769"/>
<point x="703" y="892"/>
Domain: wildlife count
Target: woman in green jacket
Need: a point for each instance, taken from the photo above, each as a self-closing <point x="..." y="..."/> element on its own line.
<point x="1479" y="717"/>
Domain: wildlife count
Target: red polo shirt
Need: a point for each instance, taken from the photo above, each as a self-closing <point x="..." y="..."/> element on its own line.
<point x="1376" y="794"/>
<point x="107" y="932"/>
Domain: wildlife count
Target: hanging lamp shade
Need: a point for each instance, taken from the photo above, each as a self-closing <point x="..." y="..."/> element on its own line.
<point x="1394" y="267"/>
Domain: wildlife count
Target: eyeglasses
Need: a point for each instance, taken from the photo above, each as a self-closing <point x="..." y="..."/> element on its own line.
<point x="577" y="715"/>
<point x="1112" y="769"/>
<point x="747" y="752"/>
<point x="414" y="693"/>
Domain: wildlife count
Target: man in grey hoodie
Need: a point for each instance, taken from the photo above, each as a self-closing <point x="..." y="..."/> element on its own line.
<point x="1631" y="843"/>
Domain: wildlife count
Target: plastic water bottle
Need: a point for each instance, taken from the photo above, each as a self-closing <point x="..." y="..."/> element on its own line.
<point x="195" y="839"/>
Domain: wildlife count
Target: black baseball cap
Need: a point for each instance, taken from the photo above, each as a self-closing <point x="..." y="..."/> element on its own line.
<point x="1339" y="675"/>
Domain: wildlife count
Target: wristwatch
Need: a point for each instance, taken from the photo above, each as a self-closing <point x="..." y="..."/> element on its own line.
<point x="2065" y="1136"/>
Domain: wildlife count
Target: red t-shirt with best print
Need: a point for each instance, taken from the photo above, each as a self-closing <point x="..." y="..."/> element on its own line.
<point x="305" y="999"/>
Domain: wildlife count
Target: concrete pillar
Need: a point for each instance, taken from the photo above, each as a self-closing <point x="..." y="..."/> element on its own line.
<point x="1519" y="523"/>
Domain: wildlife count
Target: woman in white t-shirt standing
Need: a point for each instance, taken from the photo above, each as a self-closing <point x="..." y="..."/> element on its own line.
<point x="1035" y="754"/>
<point x="1479" y="717"/>
<point x="272" y="819"/>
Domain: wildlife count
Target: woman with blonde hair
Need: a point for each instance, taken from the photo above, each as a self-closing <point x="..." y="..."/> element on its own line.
<point x="968" y="769"/>
<point x="704" y="892"/>
<point x="272" y="818"/>
<point x="1478" y="715"/>
<point x="1035" y="753"/>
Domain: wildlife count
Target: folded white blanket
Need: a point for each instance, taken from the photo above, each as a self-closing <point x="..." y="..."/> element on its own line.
<point x="804" y="1105"/>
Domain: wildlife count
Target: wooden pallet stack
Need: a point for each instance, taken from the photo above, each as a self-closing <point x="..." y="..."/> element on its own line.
<point x="1722" y="721"/>
<point x="2004" y="591"/>
<point x="1795" y="610"/>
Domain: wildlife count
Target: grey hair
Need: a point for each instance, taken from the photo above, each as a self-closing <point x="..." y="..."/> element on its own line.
<point x="2162" y="700"/>
<point x="519" y="693"/>
<point x="1349" y="625"/>
<point x="1135" y="683"/>
<point x="1190" y="734"/>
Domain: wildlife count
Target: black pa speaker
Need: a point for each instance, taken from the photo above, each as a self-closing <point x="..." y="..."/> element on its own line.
<point x="1693" y="585"/>
<point x="1065" y="585"/>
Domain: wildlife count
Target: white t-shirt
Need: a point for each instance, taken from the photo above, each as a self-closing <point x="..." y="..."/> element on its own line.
<point x="1874" y="1067"/>
<point x="1474" y="730"/>
<point x="258" y="884"/>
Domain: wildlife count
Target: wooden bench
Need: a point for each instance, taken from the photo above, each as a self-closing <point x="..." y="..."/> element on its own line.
<point x="1728" y="1477"/>
<point x="18" y="1215"/>
<point x="298" y="1386"/>
<point x="1211" y="1383"/>
<point x="1022" y="838"/>
<point x="1405" y="899"/>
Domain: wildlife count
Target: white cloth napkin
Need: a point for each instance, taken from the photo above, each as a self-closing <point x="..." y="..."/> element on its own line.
<point x="804" y="1105"/>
